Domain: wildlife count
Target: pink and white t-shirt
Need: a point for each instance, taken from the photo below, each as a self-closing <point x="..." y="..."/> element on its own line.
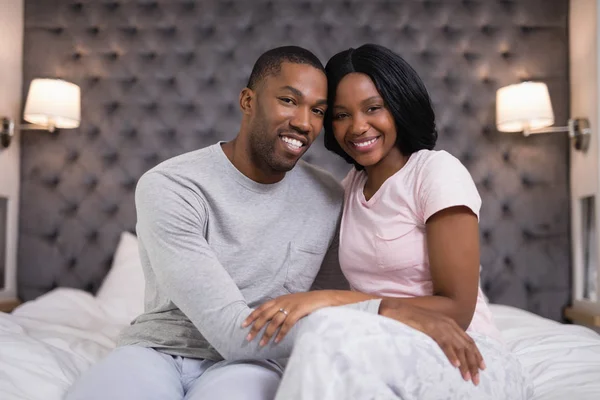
<point x="383" y="246"/>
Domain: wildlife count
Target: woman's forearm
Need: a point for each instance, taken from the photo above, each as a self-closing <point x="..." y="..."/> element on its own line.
<point x="343" y="297"/>
<point x="461" y="314"/>
<point x="441" y="304"/>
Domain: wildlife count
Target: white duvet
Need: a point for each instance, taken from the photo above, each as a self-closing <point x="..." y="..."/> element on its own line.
<point x="45" y="344"/>
<point x="563" y="360"/>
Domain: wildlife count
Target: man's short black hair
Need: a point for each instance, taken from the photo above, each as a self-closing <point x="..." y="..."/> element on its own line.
<point x="269" y="63"/>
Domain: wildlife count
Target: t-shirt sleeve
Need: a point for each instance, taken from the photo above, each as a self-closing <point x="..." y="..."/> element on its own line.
<point x="444" y="182"/>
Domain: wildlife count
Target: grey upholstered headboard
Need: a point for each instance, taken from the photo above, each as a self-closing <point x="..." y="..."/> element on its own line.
<point x="161" y="77"/>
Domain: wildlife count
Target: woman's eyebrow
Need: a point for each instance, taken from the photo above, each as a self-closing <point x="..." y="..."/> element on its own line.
<point x="372" y="98"/>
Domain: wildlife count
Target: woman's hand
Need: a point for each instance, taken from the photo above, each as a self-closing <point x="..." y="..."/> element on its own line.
<point x="459" y="347"/>
<point x="284" y="311"/>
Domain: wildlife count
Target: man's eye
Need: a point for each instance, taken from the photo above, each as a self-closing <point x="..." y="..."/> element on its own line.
<point x="318" y="111"/>
<point x="287" y="100"/>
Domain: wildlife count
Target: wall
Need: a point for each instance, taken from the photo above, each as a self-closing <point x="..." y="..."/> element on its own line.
<point x="162" y="77"/>
<point x="11" y="67"/>
<point x="584" y="174"/>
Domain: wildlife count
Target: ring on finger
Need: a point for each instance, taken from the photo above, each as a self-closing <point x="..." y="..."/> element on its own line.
<point x="283" y="311"/>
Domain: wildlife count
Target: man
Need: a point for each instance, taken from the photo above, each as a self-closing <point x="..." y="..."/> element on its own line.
<point x="224" y="229"/>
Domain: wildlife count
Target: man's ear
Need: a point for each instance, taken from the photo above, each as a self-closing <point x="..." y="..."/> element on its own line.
<point x="246" y="98"/>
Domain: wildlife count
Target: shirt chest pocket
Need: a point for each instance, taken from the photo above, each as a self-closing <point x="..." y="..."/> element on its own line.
<point x="303" y="263"/>
<point x="400" y="250"/>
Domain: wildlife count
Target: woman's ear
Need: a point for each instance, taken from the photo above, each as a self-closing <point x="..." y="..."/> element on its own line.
<point x="246" y="98"/>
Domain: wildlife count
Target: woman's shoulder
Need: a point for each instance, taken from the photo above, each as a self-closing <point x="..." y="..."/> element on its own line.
<point x="351" y="177"/>
<point x="431" y="164"/>
<point x="435" y="159"/>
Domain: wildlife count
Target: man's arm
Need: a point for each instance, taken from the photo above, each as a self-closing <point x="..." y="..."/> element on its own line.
<point x="170" y="226"/>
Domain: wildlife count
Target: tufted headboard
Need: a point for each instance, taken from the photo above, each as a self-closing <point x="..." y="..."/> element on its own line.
<point x="162" y="77"/>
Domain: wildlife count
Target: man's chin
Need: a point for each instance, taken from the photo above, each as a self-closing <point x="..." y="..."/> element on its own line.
<point x="285" y="166"/>
<point x="286" y="162"/>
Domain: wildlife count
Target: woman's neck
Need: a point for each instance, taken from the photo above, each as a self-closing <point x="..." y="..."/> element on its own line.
<point x="378" y="173"/>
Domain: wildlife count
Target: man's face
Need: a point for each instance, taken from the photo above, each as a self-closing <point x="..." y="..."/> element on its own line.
<point x="287" y="115"/>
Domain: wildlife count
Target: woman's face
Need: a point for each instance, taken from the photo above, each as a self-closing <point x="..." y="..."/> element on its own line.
<point x="362" y="125"/>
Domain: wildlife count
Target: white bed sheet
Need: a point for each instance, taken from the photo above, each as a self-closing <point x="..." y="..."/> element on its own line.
<point x="47" y="343"/>
<point x="563" y="360"/>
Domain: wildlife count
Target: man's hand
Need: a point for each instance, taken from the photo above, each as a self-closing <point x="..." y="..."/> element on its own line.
<point x="284" y="311"/>
<point x="459" y="347"/>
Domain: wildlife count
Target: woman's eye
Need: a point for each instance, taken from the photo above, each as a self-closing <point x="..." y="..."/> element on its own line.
<point x="340" y="116"/>
<point x="373" y="109"/>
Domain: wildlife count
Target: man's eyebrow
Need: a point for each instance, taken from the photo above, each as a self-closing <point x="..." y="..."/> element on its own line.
<point x="298" y="93"/>
<point x="293" y="90"/>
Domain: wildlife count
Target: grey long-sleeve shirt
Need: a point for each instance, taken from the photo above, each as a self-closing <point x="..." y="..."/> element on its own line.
<point x="214" y="244"/>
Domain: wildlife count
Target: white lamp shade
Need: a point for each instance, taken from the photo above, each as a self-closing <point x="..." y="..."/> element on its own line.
<point x="53" y="102"/>
<point x="523" y="106"/>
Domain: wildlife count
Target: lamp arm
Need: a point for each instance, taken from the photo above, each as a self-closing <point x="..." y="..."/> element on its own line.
<point x="550" y="129"/>
<point x="33" y="127"/>
<point x="7" y="130"/>
<point x="578" y="128"/>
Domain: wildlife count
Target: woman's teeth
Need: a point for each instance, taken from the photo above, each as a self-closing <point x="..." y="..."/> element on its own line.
<point x="365" y="144"/>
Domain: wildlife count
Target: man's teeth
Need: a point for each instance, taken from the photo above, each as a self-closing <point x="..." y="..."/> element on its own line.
<point x="292" y="142"/>
<point x="367" y="143"/>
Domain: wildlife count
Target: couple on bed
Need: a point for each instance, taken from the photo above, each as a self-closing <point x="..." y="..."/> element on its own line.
<point x="242" y="243"/>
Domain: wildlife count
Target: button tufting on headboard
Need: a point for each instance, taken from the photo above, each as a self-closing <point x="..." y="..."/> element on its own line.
<point x="159" y="78"/>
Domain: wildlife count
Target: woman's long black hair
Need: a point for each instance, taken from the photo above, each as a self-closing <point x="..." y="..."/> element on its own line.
<point x="401" y="88"/>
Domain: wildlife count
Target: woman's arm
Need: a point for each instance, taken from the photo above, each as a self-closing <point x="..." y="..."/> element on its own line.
<point x="296" y="306"/>
<point x="453" y="249"/>
<point x="459" y="347"/>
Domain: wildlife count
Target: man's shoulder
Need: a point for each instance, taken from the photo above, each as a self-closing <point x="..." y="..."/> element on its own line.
<point x="318" y="179"/>
<point x="179" y="170"/>
<point x="186" y="162"/>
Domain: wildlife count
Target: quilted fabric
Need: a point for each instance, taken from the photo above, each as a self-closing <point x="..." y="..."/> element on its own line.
<point x="159" y="78"/>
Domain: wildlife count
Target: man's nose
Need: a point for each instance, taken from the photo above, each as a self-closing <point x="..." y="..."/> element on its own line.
<point x="301" y="121"/>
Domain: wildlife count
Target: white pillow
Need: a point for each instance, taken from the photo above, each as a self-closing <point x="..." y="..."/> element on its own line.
<point x="121" y="295"/>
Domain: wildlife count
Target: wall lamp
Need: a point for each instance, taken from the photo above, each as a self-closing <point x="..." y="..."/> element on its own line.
<point x="526" y="107"/>
<point x="51" y="104"/>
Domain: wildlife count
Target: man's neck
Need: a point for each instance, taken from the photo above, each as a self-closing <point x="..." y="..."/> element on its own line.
<point x="240" y="156"/>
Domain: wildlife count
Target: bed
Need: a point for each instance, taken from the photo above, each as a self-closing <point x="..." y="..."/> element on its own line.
<point x="45" y="344"/>
<point x="161" y="77"/>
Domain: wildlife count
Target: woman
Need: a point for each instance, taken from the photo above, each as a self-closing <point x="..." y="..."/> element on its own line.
<point x="409" y="234"/>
